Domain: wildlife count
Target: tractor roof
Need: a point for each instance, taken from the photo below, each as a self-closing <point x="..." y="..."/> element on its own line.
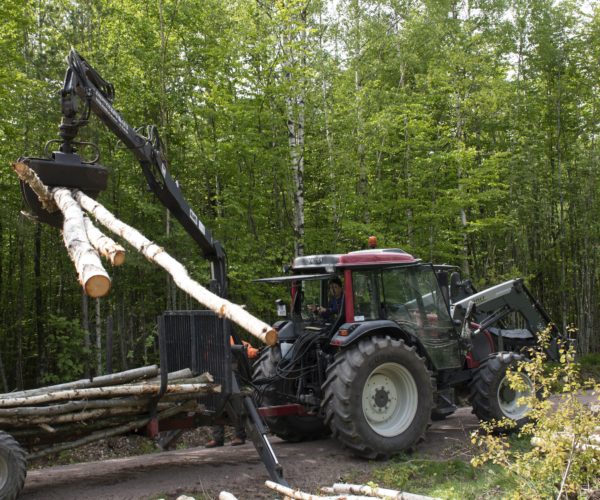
<point x="376" y="257"/>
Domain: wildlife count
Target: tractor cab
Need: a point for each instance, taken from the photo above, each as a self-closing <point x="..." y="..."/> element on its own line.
<point x="384" y="290"/>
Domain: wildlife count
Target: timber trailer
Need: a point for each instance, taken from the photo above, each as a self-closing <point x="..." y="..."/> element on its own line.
<point x="409" y="338"/>
<point x="196" y="340"/>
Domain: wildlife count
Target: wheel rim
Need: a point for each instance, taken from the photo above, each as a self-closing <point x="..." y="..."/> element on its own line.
<point x="390" y="399"/>
<point x="508" y="398"/>
<point x="3" y="472"/>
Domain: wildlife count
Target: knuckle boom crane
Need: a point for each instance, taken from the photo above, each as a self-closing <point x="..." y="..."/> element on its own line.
<point x="84" y="92"/>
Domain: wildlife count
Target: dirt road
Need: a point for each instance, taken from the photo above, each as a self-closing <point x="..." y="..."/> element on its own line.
<point x="204" y="473"/>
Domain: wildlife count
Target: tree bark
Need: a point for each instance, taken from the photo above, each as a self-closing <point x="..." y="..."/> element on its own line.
<point x="92" y="276"/>
<point x="106" y="246"/>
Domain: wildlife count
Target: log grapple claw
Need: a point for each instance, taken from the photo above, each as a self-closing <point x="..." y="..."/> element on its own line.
<point x="64" y="170"/>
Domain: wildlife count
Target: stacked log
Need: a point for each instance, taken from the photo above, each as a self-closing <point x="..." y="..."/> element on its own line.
<point x="86" y="410"/>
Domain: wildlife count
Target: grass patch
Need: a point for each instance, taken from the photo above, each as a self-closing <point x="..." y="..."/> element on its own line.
<point x="590" y="366"/>
<point x="449" y="479"/>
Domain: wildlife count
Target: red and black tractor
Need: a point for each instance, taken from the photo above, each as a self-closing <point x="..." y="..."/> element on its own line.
<point x="407" y="338"/>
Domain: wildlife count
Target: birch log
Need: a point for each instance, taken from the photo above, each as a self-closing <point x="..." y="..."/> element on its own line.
<point x="179" y="273"/>
<point x="106" y="246"/>
<point x="114" y="431"/>
<point x="118" y="378"/>
<point x="375" y="492"/>
<point x="28" y="175"/>
<point x="103" y="392"/>
<point x="92" y="276"/>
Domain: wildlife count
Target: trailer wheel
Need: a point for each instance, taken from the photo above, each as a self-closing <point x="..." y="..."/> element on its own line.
<point x="292" y="428"/>
<point x="378" y="397"/>
<point x="492" y="396"/>
<point x="13" y="467"/>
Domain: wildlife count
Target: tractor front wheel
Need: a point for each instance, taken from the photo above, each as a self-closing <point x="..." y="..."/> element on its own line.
<point x="378" y="397"/>
<point x="13" y="467"/>
<point x="493" y="397"/>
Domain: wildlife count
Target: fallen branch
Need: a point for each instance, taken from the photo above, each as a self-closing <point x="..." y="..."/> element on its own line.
<point x="157" y="254"/>
<point x="106" y="246"/>
<point x="92" y="276"/>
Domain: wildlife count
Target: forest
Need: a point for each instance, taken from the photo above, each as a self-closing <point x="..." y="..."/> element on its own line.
<point x="462" y="131"/>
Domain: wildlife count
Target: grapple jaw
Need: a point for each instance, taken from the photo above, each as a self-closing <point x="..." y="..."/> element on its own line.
<point x="64" y="170"/>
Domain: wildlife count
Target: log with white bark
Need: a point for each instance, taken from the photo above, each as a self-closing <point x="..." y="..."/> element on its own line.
<point x="153" y="252"/>
<point x="79" y="416"/>
<point x="106" y="246"/>
<point x="113" y="431"/>
<point x="157" y="254"/>
<point x="92" y="276"/>
<point x="73" y="406"/>
<point x="372" y="492"/>
<point x="102" y="380"/>
<point x="113" y="391"/>
<point x="225" y="495"/>
<point x="28" y="175"/>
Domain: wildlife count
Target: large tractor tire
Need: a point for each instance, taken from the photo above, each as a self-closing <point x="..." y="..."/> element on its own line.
<point x="378" y="397"/>
<point x="292" y="428"/>
<point x="492" y="396"/>
<point x="13" y="467"/>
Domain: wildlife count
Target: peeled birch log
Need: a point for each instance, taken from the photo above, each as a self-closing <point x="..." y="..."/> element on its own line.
<point x="29" y="176"/>
<point x="103" y="392"/>
<point x="92" y="276"/>
<point x="106" y="246"/>
<point x="179" y="273"/>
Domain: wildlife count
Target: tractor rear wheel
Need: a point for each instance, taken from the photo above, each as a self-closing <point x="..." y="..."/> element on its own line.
<point x="273" y="390"/>
<point x="13" y="467"/>
<point x="378" y="397"/>
<point x="491" y="393"/>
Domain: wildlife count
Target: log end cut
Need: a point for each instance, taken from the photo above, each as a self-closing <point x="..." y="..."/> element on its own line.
<point x="271" y="337"/>
<point x="118" y="258"/>
<point x="97" y="286"/>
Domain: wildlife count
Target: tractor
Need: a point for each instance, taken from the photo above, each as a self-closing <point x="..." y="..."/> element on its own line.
<point x="408" y="339"/>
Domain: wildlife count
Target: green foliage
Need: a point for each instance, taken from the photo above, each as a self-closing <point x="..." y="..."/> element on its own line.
<point x="65" y="347"/>
<point x="449" y="479"/>
<point x="463" y="135"/>
<point x="565" y="458"/>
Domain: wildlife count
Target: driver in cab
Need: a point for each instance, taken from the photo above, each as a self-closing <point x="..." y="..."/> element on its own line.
<point x="335" y="303"/>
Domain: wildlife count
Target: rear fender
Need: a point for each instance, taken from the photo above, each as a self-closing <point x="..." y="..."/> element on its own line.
<point x="350" y="333"/>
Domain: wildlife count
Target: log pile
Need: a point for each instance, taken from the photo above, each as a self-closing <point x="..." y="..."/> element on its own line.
<point x="85" y="242"/>
<point x="84" y="411"/>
